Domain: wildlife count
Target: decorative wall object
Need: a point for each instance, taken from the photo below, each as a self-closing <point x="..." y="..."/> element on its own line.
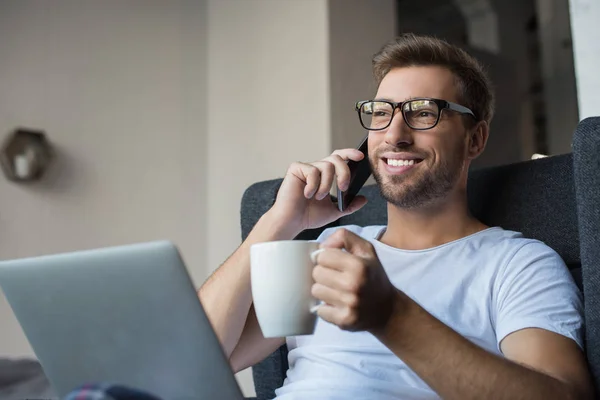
<point x="25" y="155"/>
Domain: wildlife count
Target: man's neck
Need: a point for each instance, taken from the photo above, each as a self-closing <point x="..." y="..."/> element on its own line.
<point x="417" y="229"/>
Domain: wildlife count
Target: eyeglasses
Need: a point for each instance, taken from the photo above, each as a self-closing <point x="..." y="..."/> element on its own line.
<point x="419" y="114"/>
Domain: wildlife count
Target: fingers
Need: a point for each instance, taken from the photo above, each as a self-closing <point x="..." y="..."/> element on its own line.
<point x="339" y="159"/>
<point x="342" y="171"/>
<point x="358" y="203"/>
<point x="319" y="176"/>
<point x="335" y="259"/>
<point x="333" y="297"/>
<point x="349" y="154"/>
<point x="344" y="317"/>
<point x="329" y="277"/>
<point x="353" y="245"/>
<point x="308" y="173"/>
<point x="351" y="242"/>
<point x="332" y="167"/>
<point x="328" y="171"/>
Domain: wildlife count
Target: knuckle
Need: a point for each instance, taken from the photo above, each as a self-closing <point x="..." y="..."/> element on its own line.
<point x="352" y="285"/>
<point x="312" y="174"/>
<point x="314" y="290"/>
<point x="340" y="233"/>
<point x="342" y="152"/>
<point x="357" y="266"/>
<point x="317" y="272"/>
<point x="328" y="168"/>
<point x="349" y="317"/>
<point x="295" y="166"/>
<point x="310" y="168"/>
<point x="356" y="282"/>
<point x="343" y="171"/>
<point x="334" y="158"/>
<point x="353" y="301"/>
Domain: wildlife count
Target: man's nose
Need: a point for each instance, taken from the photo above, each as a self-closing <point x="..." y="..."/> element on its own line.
<point x="398" y="134"/>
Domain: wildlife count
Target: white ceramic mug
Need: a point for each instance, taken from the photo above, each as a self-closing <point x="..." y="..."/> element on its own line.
<point x="281" y="276"/>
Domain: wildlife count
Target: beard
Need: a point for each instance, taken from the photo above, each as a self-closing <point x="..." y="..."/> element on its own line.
<point x="422" y="188"/>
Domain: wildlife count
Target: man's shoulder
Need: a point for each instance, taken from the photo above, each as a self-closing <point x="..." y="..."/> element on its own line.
<point x="520" y="255"/>
<point x="514" y="242"/>
<point x="512" y="246"/>
<point x="366" y="232"/>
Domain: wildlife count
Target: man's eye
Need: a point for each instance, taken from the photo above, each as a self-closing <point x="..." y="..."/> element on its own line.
<point x="426" y="114"/>
<point x="380" y="113"/>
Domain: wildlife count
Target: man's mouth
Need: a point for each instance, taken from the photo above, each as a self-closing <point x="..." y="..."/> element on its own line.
<point x="398" y="165"/>
<point x="399" y="162"/>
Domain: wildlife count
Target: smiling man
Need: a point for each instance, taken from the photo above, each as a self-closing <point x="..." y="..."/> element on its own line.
<point x="435" y="303"/>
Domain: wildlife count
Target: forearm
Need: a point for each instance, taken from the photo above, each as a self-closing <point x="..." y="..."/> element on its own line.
<point x="226" y="296"/>
<point x="458" y="369"/>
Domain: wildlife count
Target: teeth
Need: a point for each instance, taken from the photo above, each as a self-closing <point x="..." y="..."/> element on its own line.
<point x="400" y="163"/>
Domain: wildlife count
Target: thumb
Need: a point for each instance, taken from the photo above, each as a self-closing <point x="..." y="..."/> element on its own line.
<point x="349" y="241"/>
<point x="358" y="203"/>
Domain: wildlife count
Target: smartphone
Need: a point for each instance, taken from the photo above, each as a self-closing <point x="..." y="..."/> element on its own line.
<point x="360" y="171"/>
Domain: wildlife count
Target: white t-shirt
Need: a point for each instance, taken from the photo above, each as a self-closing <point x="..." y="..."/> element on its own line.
<point x="484" y="286"/>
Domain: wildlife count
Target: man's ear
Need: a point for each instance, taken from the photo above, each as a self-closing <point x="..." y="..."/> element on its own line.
<point x="478" y="137"/>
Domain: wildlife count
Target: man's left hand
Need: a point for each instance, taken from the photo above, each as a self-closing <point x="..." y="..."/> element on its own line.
<point x="352" y="283"/>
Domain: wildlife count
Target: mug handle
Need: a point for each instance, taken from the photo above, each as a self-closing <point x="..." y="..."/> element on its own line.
<point x="313" y="257"/>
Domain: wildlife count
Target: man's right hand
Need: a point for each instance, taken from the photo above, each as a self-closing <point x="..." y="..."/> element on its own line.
<point x="303" y="200"/>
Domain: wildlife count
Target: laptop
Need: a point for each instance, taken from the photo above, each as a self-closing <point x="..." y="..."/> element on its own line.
<point x="126" y="315"/>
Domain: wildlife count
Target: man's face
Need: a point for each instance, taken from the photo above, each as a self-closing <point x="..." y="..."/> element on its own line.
<point x="439" y="154"/>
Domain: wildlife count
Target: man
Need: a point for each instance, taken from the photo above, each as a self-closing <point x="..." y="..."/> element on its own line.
<point x="435" y="304"/>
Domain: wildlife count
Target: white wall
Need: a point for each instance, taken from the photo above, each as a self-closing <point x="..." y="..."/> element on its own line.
<point x="585" y="15"/>
<point x="268" y="102"/>
<point x="268" y="105"/>
<point x="120" y="90"/>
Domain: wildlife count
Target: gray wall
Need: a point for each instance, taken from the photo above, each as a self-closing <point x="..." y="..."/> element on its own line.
<point x="120" y="91"/>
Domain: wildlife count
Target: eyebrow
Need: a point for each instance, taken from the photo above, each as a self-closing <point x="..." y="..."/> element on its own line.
<point x="392" y="101"/>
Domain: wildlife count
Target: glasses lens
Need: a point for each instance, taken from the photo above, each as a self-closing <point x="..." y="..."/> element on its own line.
<point x="421" y="114"/>
<point x="376" y="114"/>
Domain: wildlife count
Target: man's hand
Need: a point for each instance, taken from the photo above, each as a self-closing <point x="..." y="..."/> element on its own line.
<point x="350" y="280"/>
<point x="302" y="202"/>
<point x="303" y="199"/>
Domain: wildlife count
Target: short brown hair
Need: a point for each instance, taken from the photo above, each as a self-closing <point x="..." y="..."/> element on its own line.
<point x="409" y="50"/>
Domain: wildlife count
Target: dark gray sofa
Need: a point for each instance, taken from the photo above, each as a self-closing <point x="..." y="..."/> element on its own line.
<point x="23" y="379"/>
<point x="555" y="200"/>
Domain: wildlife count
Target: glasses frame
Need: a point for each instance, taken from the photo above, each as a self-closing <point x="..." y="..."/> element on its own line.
<point x="442" y="105"/>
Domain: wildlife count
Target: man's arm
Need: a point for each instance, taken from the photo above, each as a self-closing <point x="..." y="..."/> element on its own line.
<point x="227" y="298"/>
<point x="358" y="296"/>
<point x="539" y="365"/>
<point x="302" y="203"/>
